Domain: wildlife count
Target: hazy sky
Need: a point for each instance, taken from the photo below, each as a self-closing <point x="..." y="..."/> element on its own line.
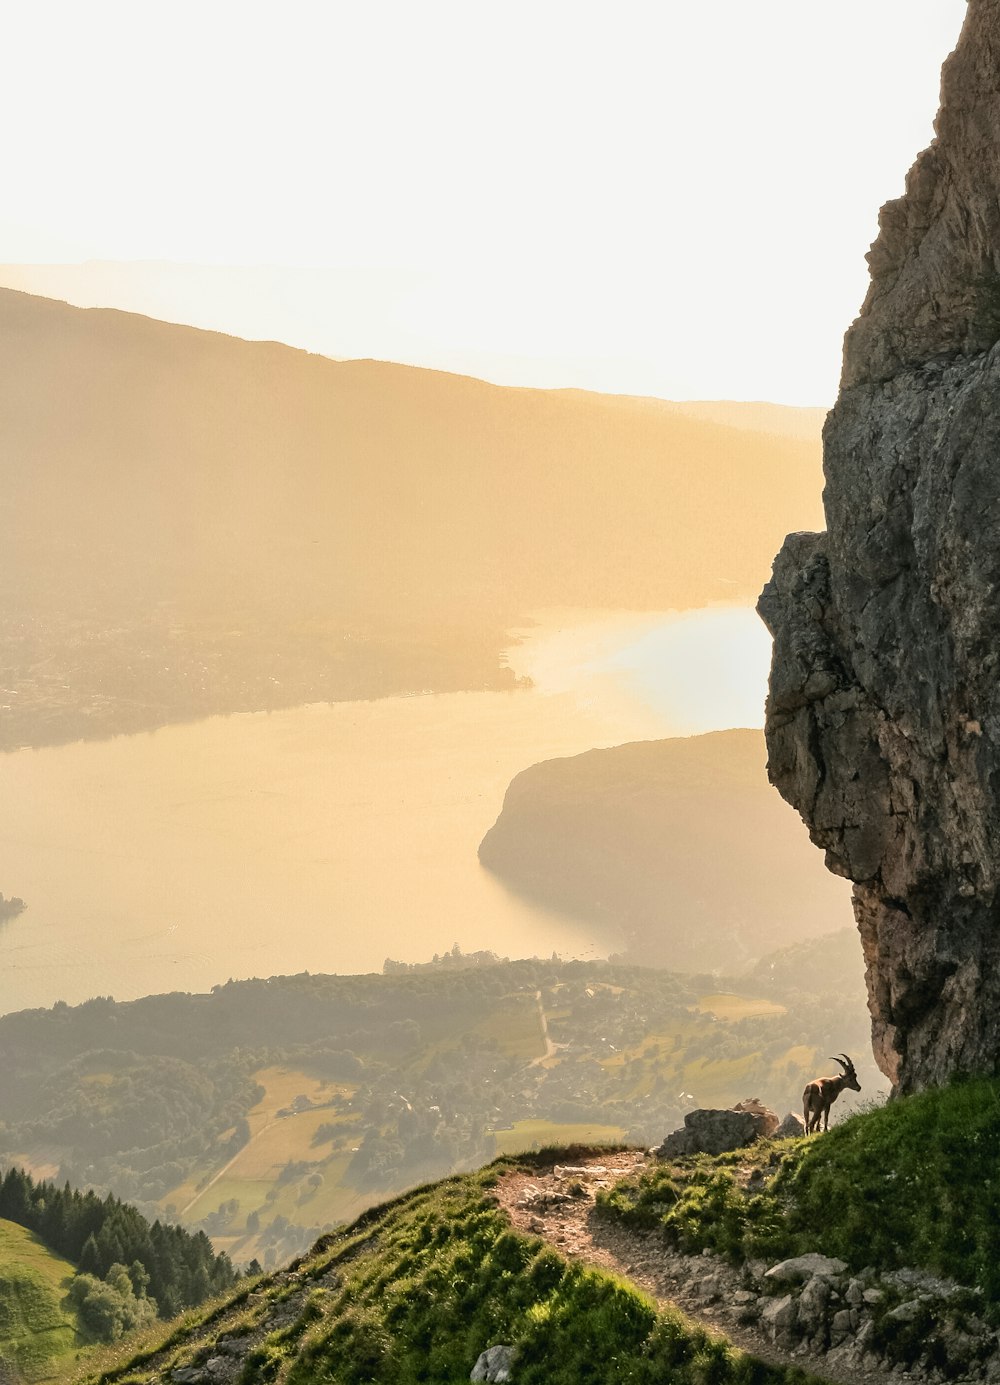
<point x="670" y="198"/>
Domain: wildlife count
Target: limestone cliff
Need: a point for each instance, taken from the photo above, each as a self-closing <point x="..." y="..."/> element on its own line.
<point x="883" y="720"/>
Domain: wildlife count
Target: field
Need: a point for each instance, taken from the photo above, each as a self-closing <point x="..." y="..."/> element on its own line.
<point x="539" y="1134"/>
<point x="292" y="1170"/>
<point x="738" y="1007"/>
<point x="36" y="1333"/>
<point x="283" y="1130"/>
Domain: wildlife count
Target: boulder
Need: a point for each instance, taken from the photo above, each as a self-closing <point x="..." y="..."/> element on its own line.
<point x="494" y="1364"/>
<point x="802" y="1267"/>
<point x="790" y="1128"/>
<point x="779" y="1317"/>
<point x="765" y="1119"/>
<point x="710" y="1132"/>
<point x="841" y="1327"/>
<point x="813" y="1303"/>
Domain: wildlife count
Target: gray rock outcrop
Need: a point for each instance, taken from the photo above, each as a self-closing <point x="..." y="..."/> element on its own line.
<point x="802" y="1267"/>
<point x="883" y="718"/>
<point x="494" y="1364"/>
<point x="765" y="1120"/>
<point x="710" y="1132"/>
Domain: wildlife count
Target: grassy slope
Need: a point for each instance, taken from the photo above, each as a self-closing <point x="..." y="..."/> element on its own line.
<point x="916" y="1183"/>
<point x="417" y="1289"/>
<point x="36" y="1331"/>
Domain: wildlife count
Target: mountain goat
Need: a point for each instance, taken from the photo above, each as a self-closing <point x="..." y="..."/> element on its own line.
<point x="822" y="1092"/>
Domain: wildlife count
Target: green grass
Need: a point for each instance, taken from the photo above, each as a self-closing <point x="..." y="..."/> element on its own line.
<point x="448" y="1278"/>
<point x="415" y="1290"/>
<point x="37" y="1334"/>
<point x="726" y="1006"/>
<point x="915" y="1183"/>
<point x="539" y="1134"/>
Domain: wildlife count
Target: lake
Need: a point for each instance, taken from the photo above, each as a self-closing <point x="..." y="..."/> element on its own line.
<point x="326" y="838"/>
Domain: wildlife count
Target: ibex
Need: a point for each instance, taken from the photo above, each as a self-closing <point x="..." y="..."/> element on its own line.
<point x="822" y="1092"/>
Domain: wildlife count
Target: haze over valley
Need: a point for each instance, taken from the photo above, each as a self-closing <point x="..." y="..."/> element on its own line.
<point x="210" y="526"/>
<point x="401" y="409"/>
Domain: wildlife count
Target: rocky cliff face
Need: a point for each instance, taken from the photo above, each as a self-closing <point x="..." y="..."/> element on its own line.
<point x="883" y="720"/>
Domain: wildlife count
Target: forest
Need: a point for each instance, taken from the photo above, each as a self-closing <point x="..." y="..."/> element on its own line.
<point x="165" y="1268"/>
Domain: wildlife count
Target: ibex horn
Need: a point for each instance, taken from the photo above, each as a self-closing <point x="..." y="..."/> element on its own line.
<point x="840" y="1060"/>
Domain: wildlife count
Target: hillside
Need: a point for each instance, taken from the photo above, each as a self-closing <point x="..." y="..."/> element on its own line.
<point x="680" y="842"/>
<point x="38" y="1330"/>
<point x="197" y="523"/>
<point x="418" y="1289"/>
<point x="581" y="1270"/>
<point x="267" y="1111"/>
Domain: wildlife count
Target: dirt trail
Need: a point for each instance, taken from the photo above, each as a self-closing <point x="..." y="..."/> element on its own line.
<point x="671" y="1279"/>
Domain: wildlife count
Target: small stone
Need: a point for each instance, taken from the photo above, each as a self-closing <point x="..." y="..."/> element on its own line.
<point x="778" y="1318"/>
<point x="873" y="1297"/>
<point x="905" y="1312"/>
<point x="841" y="1327"/>
<point x="865" y="1335"/>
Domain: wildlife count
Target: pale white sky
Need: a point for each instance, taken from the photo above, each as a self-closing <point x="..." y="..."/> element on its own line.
<point x="668" y="197"/>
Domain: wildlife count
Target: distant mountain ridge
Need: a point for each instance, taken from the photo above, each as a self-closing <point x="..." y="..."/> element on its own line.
<point x="196" y="523"/>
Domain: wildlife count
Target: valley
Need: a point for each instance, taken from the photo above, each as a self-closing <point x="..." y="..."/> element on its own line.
<point x="266" y="1112"/>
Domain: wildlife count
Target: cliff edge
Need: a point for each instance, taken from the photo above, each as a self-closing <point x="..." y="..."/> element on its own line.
<point x="883" y="717"/>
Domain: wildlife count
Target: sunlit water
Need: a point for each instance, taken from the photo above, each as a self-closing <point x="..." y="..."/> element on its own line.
<point x="326" y="838"/>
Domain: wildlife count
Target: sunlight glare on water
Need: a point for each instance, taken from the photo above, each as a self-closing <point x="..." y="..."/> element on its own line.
<point x="689" y="671"/>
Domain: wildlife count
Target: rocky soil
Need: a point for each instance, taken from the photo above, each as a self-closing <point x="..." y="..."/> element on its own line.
<point x="810" y="1312"/>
